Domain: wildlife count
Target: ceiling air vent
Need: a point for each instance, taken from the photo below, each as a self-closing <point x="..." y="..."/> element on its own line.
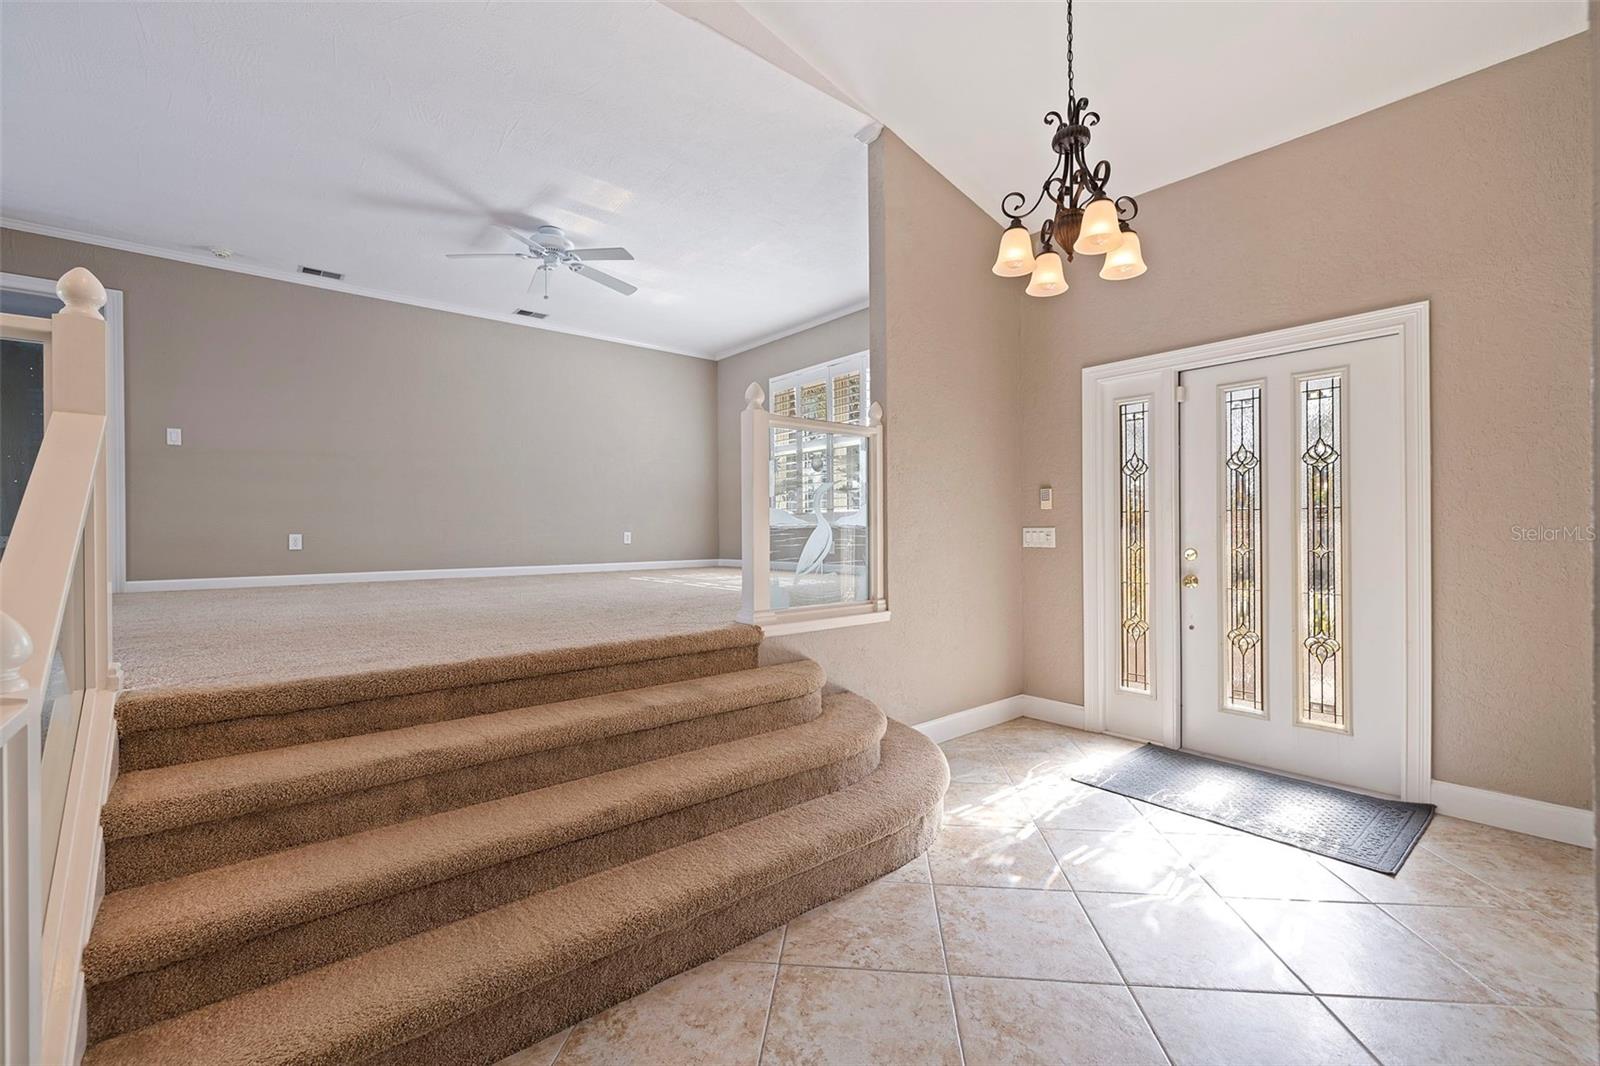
<point x="318" y="272"/>
<point x="525" y="313"/>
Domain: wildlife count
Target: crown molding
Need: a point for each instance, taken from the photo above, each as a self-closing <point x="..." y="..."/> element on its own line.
<point x="790" y="331"/>
<point x="203" y="259"/>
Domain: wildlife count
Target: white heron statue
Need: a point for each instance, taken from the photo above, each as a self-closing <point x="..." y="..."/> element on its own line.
<point x="818" y="545"/>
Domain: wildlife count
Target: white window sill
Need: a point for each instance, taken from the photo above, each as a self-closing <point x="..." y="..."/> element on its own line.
<point x="788" y="623"/>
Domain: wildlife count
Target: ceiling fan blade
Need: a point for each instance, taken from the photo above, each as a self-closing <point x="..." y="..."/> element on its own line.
<point x="616" y="284"/>
<point x="484" y="255"/>
<point x="533" y="245"/>
<point x="596" y="255"/>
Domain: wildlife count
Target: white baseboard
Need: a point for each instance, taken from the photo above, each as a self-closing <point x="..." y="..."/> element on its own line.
<point x="275" y="580"/>
<point x="960" y="723"/>
<point x="1044" y="710"/>
<point x="1570" y="825"/>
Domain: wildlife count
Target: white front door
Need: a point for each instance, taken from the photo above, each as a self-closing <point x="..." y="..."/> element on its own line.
<point x="1292" y="541"/>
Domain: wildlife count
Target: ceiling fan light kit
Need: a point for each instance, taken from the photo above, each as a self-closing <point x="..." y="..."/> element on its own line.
<point x="1085" y="219"/>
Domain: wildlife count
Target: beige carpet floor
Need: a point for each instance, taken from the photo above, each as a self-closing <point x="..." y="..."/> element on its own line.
<point x="239" y="636"/>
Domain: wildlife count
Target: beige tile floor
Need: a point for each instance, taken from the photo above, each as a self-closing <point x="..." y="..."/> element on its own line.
<point x="1055" y="923"/>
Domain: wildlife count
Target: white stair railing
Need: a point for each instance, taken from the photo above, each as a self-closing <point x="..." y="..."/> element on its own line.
<point x="813" y="542"/>
<point x="59" y="685"/>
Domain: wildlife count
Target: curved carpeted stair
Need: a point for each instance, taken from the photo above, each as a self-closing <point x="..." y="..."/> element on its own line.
<point x="447" y="864"/>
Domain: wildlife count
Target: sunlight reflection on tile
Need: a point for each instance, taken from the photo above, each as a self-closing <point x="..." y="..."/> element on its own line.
<point x="1355" y="949"/>
<point x="994" y="856"/>
<point x="1192" y="941"/>
<point x="1251" y="867"/>
<point x="1119" y="862"/>
<point x="1058" y="802"/>
<point x="974" y="803"/>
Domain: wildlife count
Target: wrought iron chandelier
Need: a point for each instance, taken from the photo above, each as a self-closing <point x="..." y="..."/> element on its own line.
<point x="1085" y="218"/>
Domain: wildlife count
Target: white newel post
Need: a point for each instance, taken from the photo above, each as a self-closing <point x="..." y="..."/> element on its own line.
<point x="877" y="581"/>
<point x="81" y="383"/>
<point x="755" y="475"/>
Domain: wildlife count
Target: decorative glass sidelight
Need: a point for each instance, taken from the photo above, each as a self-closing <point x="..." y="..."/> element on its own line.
<point x="1322" y="697"/>
<point x="1242" y="688"/>
<point x="1134" y="480"/>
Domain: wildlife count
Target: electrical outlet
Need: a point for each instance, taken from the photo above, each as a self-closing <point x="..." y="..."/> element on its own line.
<point x="174" y="436"/>
<point x="1039" y="537"/>
<point x="294" y="542"/>
<point x="627" y="536"/>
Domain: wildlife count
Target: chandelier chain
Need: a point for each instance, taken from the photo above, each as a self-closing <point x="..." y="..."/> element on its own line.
<point x="1071" y="95"/>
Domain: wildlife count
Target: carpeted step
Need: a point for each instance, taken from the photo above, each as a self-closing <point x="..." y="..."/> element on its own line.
<point x="179" y="944"/>
<point x="486" y="985"/>
<point x="180" y="819"/>
<point x="164" y="726"/>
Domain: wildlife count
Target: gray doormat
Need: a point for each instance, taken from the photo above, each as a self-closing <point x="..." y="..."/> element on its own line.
<point x="1363" y="830"/>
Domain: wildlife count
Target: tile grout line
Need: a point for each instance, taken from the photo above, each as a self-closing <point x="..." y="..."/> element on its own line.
<point x="1297" y="976"/>
<point x="1174" y="986"/>
<point x="772" y="996"/>
<point x="565" y="1038"/>
<point x="1498" y="994"/>
<point x="1100" y="938"/>
<point x="1443" y="857"/>
<point x="944" y="953"/>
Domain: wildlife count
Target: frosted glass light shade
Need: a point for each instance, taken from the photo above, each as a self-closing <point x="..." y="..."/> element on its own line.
<point x="1100" y="231"/>
<point x="1124" y="261"/>
<point x="1049" y="278"/>
<point x="1016" y="252"/>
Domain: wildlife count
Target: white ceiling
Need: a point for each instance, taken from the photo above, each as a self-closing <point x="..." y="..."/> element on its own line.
<point x="371" y="139"/>
<point x="1181" y="87"/>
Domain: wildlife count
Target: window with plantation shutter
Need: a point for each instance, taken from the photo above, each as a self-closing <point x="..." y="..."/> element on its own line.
<point x="806" y="469"/>
<point x="783" y="403"/>
<point x="814" y="400"/>
<point x="847" y="397"/>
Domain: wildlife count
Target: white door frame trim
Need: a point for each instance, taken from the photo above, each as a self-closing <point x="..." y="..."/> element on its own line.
<point x="116" y="435"/>
<point x="1409" y="323"/>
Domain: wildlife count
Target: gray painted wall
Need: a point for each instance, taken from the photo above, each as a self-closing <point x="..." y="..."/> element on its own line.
<point x="1385" y="209"/>
<point x="392" y="437"/>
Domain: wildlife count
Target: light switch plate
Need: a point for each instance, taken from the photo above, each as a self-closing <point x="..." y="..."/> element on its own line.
<point x="1039" y="536"/>
<point x="1047" y="498"/>
<point x="174" y="436"/>
<point x="294" y="542"/>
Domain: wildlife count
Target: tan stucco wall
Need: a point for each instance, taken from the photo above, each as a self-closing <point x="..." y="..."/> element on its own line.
<point x="945" y="364"/>
<point x="1474" y="196"/>
<point x="392" y="437"/>
<point x="833" y="339"/>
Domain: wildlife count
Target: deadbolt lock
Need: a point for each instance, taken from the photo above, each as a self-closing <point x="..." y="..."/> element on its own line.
<point x="1191" y="581"/>
<point x="1190" y="554"/>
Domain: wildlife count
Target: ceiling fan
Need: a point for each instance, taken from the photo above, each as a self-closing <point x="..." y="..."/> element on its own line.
<point x="550" y="247"/>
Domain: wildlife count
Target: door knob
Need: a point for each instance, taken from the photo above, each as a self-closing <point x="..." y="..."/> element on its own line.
<point x="1191" y="581"/>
